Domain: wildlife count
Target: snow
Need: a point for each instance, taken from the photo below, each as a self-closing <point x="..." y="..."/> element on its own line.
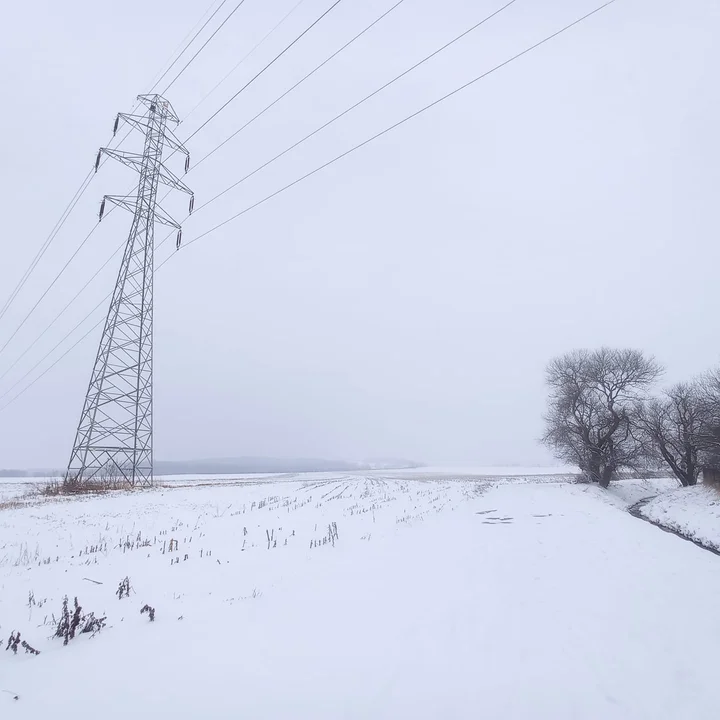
<point x="693" y="511"/>
<point x="628" y="491"/>
<point x="12" y="488"/>
<point x="492" y="470"/>
<point x="439" y="598"/>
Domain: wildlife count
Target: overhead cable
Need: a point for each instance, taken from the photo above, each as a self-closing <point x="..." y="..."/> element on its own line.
<point x="403" y="121"/>
<point x="269" y="65"/>
<point x="301" y="81"/>
<point x="356" y="105"/>
<point x="244" y="58"/>
<point x="187" y="45"/>
<point x="203" y="46"/>
<point x="310" y="174"/>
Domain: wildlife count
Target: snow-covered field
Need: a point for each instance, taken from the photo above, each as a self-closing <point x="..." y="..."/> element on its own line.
<point x="377" y="595"/>
<point x="12" y="488"/>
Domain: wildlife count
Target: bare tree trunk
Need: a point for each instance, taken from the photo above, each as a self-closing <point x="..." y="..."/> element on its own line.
<point x="594" y="467"/>
<point x="690" y="465"/>
<point x="607" y="473"/>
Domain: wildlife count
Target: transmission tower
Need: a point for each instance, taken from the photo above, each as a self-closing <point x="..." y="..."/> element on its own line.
<point x="114" y="436"/>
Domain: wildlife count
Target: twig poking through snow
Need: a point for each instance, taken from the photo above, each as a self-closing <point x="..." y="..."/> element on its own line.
<point x="124" y="588"/>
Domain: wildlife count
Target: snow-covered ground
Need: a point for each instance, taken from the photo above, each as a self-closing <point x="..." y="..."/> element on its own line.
<point x="694" y="512"/>
<point x="625" y="493"/>
<point x="435" y="598"/>
<point x="12" y="488"/>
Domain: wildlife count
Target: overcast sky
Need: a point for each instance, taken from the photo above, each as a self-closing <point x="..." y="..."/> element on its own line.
<point x="404" y="301"/>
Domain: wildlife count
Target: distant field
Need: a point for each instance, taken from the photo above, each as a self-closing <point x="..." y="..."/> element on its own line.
<point x="13" y="487"/>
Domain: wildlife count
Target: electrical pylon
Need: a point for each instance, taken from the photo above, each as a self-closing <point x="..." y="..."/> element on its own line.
<point x="114" y="436"/>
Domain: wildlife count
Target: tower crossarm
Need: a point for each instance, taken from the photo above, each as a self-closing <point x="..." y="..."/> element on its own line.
<point x="132" y="160"/>
<point x="172" y="141"/>
<point x="129" y="203"/>
<point x="140" y="122"/>
<point x="164" y="219"/>
<point x="135" y="161"/>
<point x="169" y="178"/>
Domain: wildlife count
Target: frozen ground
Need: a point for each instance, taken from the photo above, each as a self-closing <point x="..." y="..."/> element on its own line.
<point x="19" y="489"/>
<point x="694" y="512"/>
<point x="438" y="598"/>
<point x="625" y="493"/>
<point x="12" y="488"/>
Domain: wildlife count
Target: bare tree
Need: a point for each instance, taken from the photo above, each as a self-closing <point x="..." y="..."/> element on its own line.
<point x="709" y="442"/>
<point x="593" y="395"/>
<point x="675" y="428"/>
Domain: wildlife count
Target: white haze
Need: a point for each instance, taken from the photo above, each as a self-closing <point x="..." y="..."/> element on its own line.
<point x="405" y="301"/>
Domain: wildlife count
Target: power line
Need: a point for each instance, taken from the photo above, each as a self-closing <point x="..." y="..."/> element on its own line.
<point x="172" y="64"/>
<point x="245" y="57"/>
<point x="304" y="177"/>
<point x="87" y="180"/>
<point x="353" y="107"/>
<point x="50" y="367"/>
<point x="84" y="185"/>
<point x="260" y="73"/>
<point x="53" y="234"/>
<point x="300" y="82"/>
<point x="287" y="92"/>
<point x="403" y="121"/>
<point x="79" y="193"/>
<point x="64" y="310"/>
<point x="39" y="362"/>
<point x="59" y="274"/>
<point x="50" y="286"/>
<point x="57" y="277"/>
<point x="272" y="62"/>
<point x="67" y="335"/>
<point x="204" y="45"/>
<point x="63" y="218"/>
<point x="296" y="85"/>
<point x="43" y="249"/>
<point x="90" y="175"/>
<point x="182" y="43"/>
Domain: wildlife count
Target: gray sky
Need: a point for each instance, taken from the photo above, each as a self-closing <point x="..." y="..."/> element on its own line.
<point x="405" y="301"/>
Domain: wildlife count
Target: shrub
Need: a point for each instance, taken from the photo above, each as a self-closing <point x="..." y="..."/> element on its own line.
<point x="67" y="627"/>
<point x="14" y="641"/>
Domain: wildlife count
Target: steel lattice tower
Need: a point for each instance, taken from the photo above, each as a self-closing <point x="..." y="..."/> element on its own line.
<point x="114" y="436"/>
